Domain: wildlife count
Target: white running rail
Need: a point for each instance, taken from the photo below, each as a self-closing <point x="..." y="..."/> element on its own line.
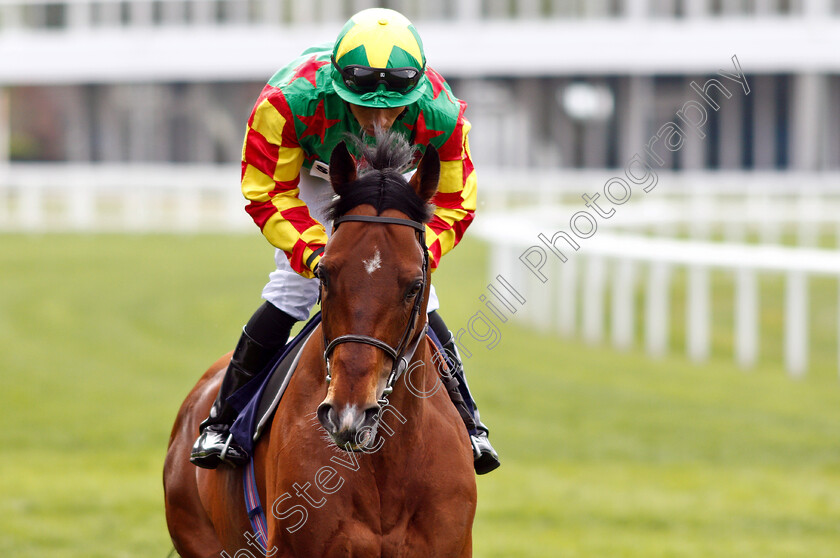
<point x="572" y="296"/>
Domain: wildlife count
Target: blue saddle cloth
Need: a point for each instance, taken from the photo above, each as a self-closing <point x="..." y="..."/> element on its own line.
<point x="246" y="400"/>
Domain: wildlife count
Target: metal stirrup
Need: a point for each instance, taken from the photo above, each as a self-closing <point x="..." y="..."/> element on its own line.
<point x="223" y="455"/>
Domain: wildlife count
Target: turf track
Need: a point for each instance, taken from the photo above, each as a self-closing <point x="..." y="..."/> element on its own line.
<point x="605" y="454"/>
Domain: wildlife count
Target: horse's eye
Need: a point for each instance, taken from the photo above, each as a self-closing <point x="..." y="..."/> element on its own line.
<point x="414" y="290"/>
<point x="322" y="275"/>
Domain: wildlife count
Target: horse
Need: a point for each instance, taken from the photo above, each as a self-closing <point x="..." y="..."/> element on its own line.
<point x="365" y="456"/>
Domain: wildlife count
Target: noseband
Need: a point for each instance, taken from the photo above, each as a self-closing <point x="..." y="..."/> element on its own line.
<point x="402" y="353"/>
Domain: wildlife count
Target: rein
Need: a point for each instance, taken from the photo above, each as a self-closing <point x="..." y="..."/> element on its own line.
<point x="402" y="354"/>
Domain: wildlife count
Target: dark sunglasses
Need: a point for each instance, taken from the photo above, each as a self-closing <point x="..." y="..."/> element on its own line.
<point x="363" y="79"/>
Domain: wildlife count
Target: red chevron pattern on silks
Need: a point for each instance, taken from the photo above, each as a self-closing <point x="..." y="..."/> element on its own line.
<point x="451" y="200"/>
<point x="299" y="218"/>
<point x="260" y="153"/>
<point x="434" y="249"/>
<point x="468" y="168"/>
<point x="460" y="227"/>
<point x="296" y="259"/>
<point x="278" y="100"/>
<point x="438" y="225"/>
<point x="453" y="147"/>
<point x="261" y="212"/>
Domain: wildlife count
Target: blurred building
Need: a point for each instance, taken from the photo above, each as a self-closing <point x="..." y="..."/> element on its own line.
<point x="551" y="83"/>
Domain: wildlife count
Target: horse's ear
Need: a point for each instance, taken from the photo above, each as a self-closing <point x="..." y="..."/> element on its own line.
<point x="425" y="180"/>
<point x="342" y="167"/>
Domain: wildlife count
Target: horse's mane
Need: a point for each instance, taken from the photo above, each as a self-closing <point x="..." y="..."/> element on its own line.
<point x="380" y="182"/>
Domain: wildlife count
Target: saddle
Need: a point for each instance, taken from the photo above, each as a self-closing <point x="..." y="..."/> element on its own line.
<point x="257" y="400"/>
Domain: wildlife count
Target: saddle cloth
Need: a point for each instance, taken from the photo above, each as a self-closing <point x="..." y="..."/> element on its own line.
<point x="257" y="400"/>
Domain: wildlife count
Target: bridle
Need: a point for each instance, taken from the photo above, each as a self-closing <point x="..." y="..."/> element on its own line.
<point x="406" y="348"/>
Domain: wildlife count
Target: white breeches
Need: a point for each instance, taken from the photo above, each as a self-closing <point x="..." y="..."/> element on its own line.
<point x="290" y="292"/>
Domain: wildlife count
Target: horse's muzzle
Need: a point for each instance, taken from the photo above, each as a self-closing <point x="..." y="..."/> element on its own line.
<point x="350" y="429"/>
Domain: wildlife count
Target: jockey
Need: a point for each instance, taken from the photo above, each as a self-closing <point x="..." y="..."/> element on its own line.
<point x="373" y="77"/>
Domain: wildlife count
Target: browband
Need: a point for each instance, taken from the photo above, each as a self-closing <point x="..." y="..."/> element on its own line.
<point x="377" y="219"/>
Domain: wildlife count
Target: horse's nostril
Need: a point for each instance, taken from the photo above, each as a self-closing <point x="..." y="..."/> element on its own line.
<point x="370" y="414"/>
<point x="328" y="417"/>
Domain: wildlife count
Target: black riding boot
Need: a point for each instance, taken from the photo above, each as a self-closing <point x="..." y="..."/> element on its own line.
<point x="486" y="458"/>
<point x="266" y="332"/>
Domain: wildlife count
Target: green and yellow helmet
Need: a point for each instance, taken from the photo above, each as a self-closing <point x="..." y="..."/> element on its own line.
<point x="378" y="60"/>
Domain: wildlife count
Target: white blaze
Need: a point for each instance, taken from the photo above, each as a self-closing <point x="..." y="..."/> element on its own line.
<point x="374" y="263"/>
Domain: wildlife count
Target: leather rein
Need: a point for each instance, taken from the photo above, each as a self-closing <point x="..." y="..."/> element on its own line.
<point x="402" y="353"/>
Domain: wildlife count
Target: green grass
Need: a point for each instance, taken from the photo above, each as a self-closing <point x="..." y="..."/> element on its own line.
<point x="605" y="454"/>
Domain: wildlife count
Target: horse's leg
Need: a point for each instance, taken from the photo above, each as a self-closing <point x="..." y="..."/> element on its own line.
<point x="189" y="524"/>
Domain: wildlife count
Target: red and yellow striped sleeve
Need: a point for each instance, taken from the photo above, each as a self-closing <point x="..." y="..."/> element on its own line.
<point x="455" y="200"/>
<point x="271" y="163"/>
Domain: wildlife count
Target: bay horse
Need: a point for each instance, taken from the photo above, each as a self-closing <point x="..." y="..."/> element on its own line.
<point x="365" y="456"/>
